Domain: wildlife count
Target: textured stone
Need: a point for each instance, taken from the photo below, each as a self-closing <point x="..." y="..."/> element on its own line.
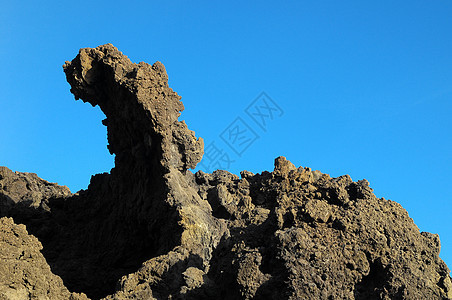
<point x="151" y="229"/>
<point x="24" y="273"/>
<point x="28" y="190"/>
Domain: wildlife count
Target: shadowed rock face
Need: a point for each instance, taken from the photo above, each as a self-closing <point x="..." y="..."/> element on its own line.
<point x="24" y="273"/>
<point x="151" y="229"/>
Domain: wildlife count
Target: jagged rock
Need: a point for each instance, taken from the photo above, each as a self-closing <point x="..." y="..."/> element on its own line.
<point x="151" y="229"/>
<point x="27" y="189"/>
<point x="24" y="273"/>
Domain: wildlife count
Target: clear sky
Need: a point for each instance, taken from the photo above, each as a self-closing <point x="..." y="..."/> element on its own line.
<point x="355" y="87"/>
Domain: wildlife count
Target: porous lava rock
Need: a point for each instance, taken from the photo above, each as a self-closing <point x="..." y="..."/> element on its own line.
<point x="151" y="229"/>
<point x="24" y="272"/>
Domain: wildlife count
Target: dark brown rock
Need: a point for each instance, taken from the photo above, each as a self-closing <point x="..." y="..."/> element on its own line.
<point x="151" y="229"/>
<point x="28" y="190"/>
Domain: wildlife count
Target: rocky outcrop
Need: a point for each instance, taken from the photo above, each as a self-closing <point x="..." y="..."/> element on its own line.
<point x="151" y="229"/>
<point x="27" y="190"/>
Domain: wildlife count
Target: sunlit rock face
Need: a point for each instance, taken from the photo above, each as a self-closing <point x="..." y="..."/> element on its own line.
<point x="151" y="229"/>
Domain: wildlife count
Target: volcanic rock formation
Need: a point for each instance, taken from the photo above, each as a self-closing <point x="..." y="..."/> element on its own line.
<point x="151" y="229"/>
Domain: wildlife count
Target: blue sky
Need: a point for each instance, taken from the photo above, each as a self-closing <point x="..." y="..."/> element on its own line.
<point x="364" y="88"/>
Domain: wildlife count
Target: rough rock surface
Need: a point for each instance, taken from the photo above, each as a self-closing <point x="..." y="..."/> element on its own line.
<point x="24" y="273"/>
<point x="151" y="229"/>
